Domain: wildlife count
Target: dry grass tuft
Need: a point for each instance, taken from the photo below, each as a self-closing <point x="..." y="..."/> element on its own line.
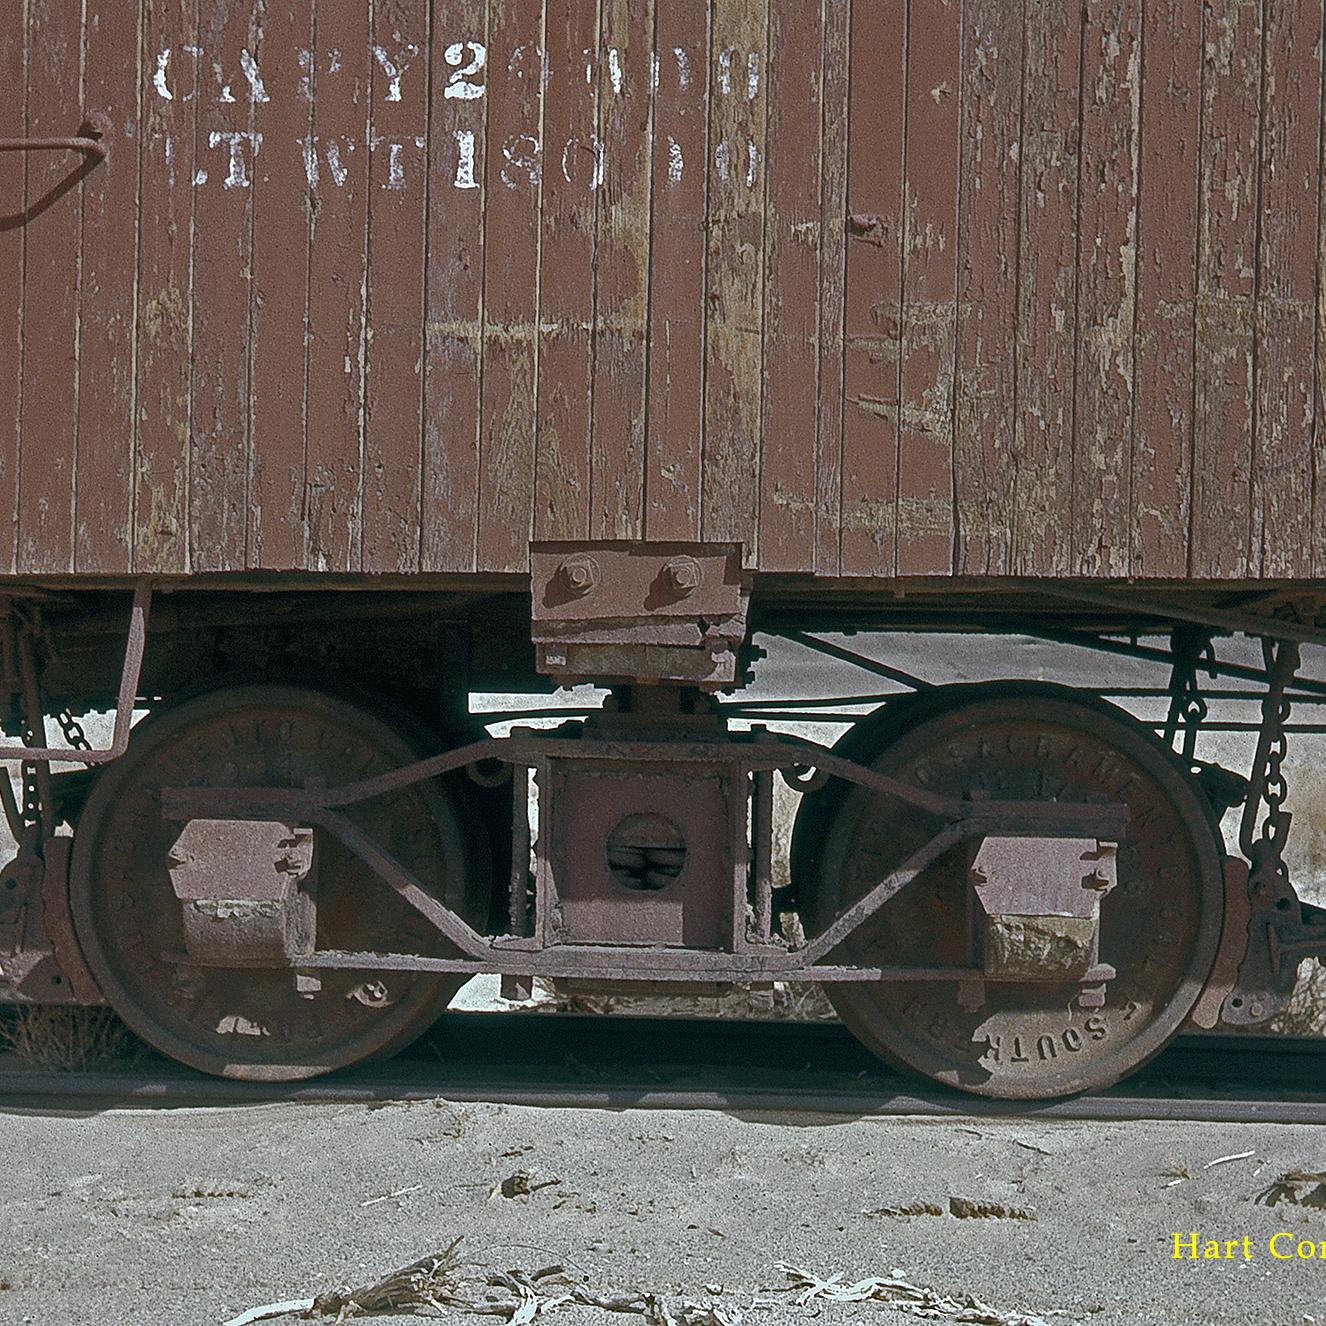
<point x="66" y="1039"/>
<point x="965" y="1209"/>
<point x="911" y="1209"/>
<point x="738" y="1001"/>
<point x="1298" y="1188"/>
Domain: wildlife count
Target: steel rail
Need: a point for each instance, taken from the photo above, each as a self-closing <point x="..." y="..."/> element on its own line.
<point x="544" y="1060"/>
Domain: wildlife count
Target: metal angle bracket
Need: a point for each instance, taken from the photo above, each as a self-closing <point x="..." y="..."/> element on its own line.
<point x="638" y="613"/>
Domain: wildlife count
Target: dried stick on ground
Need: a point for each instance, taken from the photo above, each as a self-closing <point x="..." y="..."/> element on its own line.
<point x="432" y="1284"/>
<point x="902" y="1297"/>
<point x="425" y="1283"/>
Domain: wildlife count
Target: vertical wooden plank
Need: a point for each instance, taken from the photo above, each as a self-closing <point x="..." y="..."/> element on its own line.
<point x="397" y="220"/>
<point x="110" y="229"/>
<point x="675" y="422"/>
<point x="929" y="303"/>
<point x="791" y="302"/>
<point x="49" y="432"/>
<point x="573" y="159"/>
<point x="1286" y="290"/>
<point x="873" y="324"/>
<point x="227" y="155"/>
<point x="173" y="90"/>
<point x="621" y="288"/>
<point x="1106" y="285"/>
<point x="511" y="264"/>
<point x="1166" y="287"/>
<point x="834" y="65"/>
<point x="13" y="70"/>
<point x="337" y="174"/>
<point x="281" y="207"/>
<point x="453" y="385"/>
<point x="735" y="275"/>
<point x="986" y="387"/>
<point x="1222" y="439"/>
<point x="1047" y="286"/>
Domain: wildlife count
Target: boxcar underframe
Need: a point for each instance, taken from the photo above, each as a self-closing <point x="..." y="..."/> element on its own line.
<point x="953" y="866"/>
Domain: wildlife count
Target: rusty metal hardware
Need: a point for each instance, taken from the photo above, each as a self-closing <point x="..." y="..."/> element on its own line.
<point x="1307" y="939"/>
<point x="1268" y="783"/>
<point x="79" y="752"/>
<point x="1281" y="930"/>
<point x="1020" y="1036"/>
<point x="1243" y="623"/>
<point x="14" y="818"/>
<point x="578" y="574"/>
<point x="246" y="891"/>
<point x="605" y="962"/>
<point x="38" y="802"/>
<point x="88" y="143"/>
<point x="1009" y="818"/>
<point x="39" y="958"/>
<point x="1189" y="645"/>
<point x="80" y="986"/>
<point x="72" y="730"/>
<point x="648" y="856"/>
<point x="731" y="759"/>
<point x="1233" y="946"/>
<point x="683" y="575"/>
<point x="638" y="613"/>
<point x="519" y="898"/>
<point x="1038" y="914"/>
<point x="762" y="809"/>
<point x="218" y="1007"/>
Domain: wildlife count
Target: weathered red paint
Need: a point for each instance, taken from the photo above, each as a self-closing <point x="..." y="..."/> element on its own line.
<point x="876" y="288"/>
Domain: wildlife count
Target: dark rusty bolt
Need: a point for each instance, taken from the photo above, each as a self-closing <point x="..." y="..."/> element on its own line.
<point x="579" y="573"/>
<point x="682" y="575"/>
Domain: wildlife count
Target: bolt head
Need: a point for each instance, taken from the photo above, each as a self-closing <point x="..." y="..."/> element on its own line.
<point x="579" y="574"/>
<point x="683" y="575"/>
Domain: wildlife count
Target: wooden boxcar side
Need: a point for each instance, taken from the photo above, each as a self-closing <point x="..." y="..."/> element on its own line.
<point x="882" y="288"/>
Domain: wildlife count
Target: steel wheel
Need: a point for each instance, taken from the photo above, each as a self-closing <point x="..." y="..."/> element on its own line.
<point x="246" y="1022"/>
<point x="1159" y="927"/>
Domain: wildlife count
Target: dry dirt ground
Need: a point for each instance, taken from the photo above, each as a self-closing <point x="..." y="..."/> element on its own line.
<point x="189" y="1217"/>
